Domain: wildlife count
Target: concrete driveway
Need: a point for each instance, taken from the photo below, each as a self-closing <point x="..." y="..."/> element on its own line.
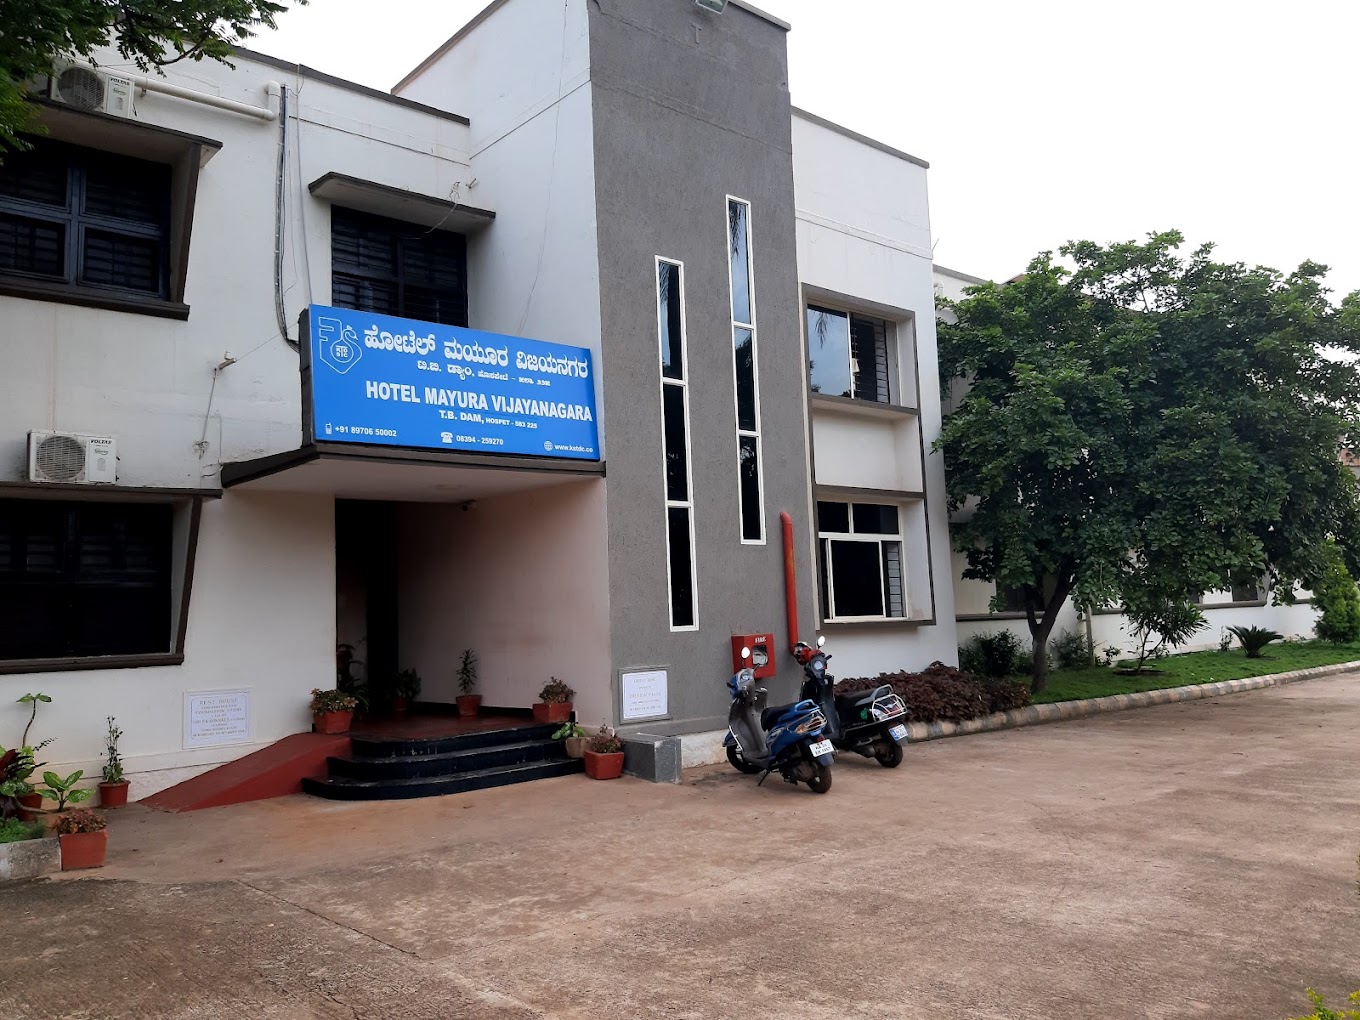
<point x="1193" y="860"/>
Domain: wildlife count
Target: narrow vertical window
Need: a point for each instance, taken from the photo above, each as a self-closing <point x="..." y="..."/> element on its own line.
<point x="749" y="488"/>
<point x="680" y="571"/>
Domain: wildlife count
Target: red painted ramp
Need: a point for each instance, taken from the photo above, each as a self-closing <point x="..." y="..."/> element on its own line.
<point x="273" y="771"/>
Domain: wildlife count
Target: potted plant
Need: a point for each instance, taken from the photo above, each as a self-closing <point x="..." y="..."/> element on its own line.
<point x="63" y="791"/>
<point x="405" y="689"/>
<point x="554" y="702"/>
<point x="17" y="795"/>
<point x="332" y="711"/>
<point x="468" y="703"/>
<point x="346" y="682"/>
<point x="604" y="755"/>
<point x="113" y="791"/>
<point x="84" y="839"/>
<point x="574" y="737"/>
<point x="26" y="763"/>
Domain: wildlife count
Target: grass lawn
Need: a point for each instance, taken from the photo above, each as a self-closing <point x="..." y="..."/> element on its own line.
<point x="1194" y="668"/>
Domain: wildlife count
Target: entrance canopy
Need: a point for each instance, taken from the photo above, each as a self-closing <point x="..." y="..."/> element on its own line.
<point x="401" y="476"/>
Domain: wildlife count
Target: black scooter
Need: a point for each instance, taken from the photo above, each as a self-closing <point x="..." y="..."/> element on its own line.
<point x="871" y="723"/>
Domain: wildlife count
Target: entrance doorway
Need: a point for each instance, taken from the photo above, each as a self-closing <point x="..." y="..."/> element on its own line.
<point x="366" y="588"/>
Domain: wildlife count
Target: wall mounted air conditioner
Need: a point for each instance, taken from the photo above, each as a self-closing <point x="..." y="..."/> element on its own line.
<point x="87" y="88"/>
<point x="70" y="458"/>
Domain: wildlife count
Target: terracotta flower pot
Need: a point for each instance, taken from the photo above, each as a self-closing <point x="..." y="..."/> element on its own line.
<point x="469" y="704"/>
<point x="334" y="722"/>
<point x="552" y="711"/>
<point x="576" y="747"/>
<point x="113" y="794"/>
<point x="30" y="806"/>
<point x="400" y="706"/>
<point x="604" y="766"/>
<point x="81" y="850"/>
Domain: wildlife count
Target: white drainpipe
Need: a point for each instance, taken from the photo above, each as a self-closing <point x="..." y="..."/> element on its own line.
<point x="207" y="99"/>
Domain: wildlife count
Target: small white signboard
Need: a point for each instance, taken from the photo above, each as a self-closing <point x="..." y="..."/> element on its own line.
<point x="216" y="717"/>
<point x="643" y="695"/>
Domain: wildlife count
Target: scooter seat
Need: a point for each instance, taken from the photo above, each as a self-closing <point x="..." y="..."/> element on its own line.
<point x="849" y="706"/>
<point x="771" y="715"/>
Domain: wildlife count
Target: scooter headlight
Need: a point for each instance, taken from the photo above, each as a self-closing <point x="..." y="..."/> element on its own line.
<point x="817" y="665"/>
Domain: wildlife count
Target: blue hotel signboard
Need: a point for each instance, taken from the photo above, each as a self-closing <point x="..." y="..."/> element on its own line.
<point x="377" y="379"/>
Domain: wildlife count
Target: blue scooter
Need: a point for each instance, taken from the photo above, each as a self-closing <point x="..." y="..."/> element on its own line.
<point x="787" y="738"/>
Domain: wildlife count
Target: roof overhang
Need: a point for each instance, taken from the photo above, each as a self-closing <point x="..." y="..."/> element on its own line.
<point x="405" y="476"/>
<point x="400" y="204"/>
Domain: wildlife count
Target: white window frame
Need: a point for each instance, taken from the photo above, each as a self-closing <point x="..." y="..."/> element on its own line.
<point x="890" y="345"/>
<point x="825" y="538"/>
<point x="755" y="362"/>
<point x="683" y="385"/>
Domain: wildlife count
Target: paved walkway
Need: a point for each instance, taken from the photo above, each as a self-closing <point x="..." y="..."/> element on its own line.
<point x="1194" y="860"/>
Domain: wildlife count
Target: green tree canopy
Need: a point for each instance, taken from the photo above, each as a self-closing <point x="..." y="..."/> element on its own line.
<point x="150" y="33"/>
<point x="1137" y="418"/>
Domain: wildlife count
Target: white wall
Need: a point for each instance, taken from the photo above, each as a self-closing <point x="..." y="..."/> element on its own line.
<point x="864" y="238"/>
<point x="523" y="580"/>
<point x="262" y="620"/>
<point x="522" y="76"/>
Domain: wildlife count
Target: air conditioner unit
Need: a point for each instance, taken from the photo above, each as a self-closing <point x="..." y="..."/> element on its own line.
<point x="87" y="88"/>
<point x="70" y="458"/>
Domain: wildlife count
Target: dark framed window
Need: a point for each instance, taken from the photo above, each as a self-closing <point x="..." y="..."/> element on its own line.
<point x="85" y="219"/>
<point x="84" y="578"/>
<point x="848" y="355"/>
<point x="680" y="567"/>
<point x="395" y="268"/>
<point x="860" y="560"/>
<point x="745" y="372"/>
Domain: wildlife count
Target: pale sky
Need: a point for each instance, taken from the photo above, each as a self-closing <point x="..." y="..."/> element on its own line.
<point x="1043" y="121"/>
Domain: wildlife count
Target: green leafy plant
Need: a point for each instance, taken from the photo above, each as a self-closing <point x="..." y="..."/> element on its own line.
<point x="346" y="681"/>
<point x="1159" y="620"/>
<point x="332" y="701"/>
<point x="16" y="765"/>
<point x="467" y="672"/>
<point x="605" y="741"/>
<point x="81" y="820"/>
<point x="113" y="761"/>
<point x="556" y="692"/>
<point x="1321" y="1012"/>
<point x="33" y="701"/>
<point x="1254" y="639"/>
<point x="1338" y="602"/>
<point x="14" y="831"/>
<point x="407" y="685"/>
<point x="1110" y="653"/>
<point x="568" y="730"/>
<point x="1069" y="650"/>
<point x="990" y="654"/>
<point x="65" y="791"/>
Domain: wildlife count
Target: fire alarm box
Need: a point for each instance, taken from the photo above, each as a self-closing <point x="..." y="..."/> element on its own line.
<point x="762" y="653"/>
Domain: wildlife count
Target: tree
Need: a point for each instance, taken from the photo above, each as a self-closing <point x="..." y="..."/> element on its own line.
<point x="150" y="33"/>
<point x="1137" y="419"/>
<point x="1338" y="603"/>
<point x="1159" y="619"/>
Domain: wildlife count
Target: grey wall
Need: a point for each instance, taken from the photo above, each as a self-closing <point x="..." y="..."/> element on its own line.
<point x="689" y="108"/>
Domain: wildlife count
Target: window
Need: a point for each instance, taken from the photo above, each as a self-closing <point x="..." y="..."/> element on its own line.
<point x="395" y="268"/>
<point x="1012" y="599"/>
<point x="749" y="487"/>
<point x="848" y="355"/>
<point x="81" y="218"/>
<point x="84" y="578"/>
<point x="680" y="571"/>
<point x="860" y="553"/>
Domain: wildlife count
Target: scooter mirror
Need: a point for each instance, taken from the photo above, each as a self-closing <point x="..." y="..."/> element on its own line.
<point x="746" y="653"/>
<point x="821" y="641"/>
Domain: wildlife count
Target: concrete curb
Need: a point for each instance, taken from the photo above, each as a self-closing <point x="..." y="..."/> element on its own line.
<point x="1034" y="715"/>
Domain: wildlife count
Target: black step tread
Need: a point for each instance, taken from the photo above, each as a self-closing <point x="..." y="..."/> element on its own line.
<point x="386" y="747"/>
<point x="467" y="759"/>
<point x="341" y="788"/>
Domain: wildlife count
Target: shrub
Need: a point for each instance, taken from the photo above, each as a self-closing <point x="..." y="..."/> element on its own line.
<point x="1338" y="603"/>
<point x="556" y="692"/>
<point x="80" y="820"/>
<point x="605" y="741"/>
<point x="936" y="694"/>
<point x="1321" y="1012"/>
<point x="332" y="701"/>
<point x="1069" y="650"/>
<point x="1171" y="619"/>
<point x="990" y="654"/>
<point x="1005" y="693"/>
<point x="14" y="831"/>
<point x="1253" y="639"/>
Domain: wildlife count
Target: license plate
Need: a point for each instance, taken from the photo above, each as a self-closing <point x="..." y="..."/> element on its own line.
<point x="898" y="733"/>
<point x="820" y="748"/>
